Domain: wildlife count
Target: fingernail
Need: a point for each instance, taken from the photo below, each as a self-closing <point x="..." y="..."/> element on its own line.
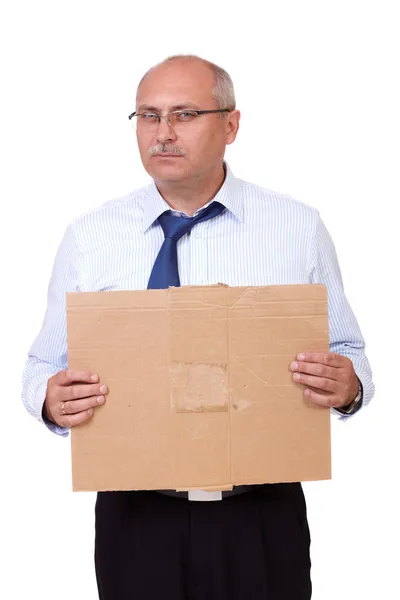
<point x="94" y="378"/>
<point x="103" y="389"/>
<point x="296" y="376"/>
<point x="294" y="366"/>
<point x="301" y="357"/>
<point x="100" y="399"/>
<point x="90" y="411"/>
<point x="306" y="392"/>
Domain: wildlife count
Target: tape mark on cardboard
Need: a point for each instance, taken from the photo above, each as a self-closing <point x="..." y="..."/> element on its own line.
<point x="199" y="387"/>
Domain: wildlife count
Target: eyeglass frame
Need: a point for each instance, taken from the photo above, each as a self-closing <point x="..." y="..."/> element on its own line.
<point x="166" y="117"/>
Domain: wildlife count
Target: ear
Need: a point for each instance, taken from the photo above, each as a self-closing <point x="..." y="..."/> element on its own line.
<point x="232" y="125"/>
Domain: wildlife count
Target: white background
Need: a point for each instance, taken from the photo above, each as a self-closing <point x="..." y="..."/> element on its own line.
<point x="317" y="86"/>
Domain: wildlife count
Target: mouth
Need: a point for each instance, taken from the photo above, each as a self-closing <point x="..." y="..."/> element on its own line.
<point x="168" y="155"/>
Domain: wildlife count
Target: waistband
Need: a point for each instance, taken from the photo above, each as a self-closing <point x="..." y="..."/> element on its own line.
<point x="240" y="489"/>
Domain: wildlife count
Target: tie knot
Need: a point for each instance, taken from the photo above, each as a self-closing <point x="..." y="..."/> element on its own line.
<point x="176" y="227"/>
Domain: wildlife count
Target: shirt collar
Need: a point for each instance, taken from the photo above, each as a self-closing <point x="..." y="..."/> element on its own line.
<point x="229" y="195"/>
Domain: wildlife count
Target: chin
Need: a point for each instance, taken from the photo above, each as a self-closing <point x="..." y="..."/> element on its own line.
<point x="167" y="169"/>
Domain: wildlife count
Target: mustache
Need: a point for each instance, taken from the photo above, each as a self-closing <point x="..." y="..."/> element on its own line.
<point x="167" y="148"/>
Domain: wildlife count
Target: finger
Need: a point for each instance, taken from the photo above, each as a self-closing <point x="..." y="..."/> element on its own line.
<point x="318" y="369"/>
<point x="68" y="376"/>
<point x="319" y="383"/>
<point x="328" y="400"/>
<point x="331" y="359"/>
<point x="76" y="406"/>
<point x="76" y="419"/>
<point x="80" y="391"/>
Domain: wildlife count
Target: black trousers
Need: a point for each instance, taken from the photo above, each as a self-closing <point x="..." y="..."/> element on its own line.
<point x="252" y="546"/>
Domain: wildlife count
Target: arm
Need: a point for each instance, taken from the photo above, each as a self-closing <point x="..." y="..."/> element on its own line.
<point x="48" y="354"/>
<point x="344" y="333"/>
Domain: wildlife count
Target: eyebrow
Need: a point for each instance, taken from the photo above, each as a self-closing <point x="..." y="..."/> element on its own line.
<point x="147" y="107"/>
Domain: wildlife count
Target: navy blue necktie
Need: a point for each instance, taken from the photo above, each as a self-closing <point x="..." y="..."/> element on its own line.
<point x="165" y="269"/>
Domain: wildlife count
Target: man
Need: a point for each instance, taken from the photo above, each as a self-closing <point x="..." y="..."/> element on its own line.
<point x="196" y="224"/>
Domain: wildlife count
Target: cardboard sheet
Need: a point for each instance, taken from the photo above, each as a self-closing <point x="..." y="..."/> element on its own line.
<point x="200" y="392"/>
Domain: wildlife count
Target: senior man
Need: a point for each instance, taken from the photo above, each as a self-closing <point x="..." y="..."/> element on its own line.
<point x="196" y="224"/>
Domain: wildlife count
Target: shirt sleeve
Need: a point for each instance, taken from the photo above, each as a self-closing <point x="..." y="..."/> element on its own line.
<point x="48" y="353"/>
<point x="344" y="333"/>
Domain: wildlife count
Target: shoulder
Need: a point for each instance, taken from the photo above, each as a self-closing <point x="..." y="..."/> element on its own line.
<point x="111" y="208"/>
<point x="108" y="221"/>
<point x="267" y="199"/>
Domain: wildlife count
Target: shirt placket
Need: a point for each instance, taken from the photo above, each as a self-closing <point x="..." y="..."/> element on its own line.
<point x="200" y="254"/>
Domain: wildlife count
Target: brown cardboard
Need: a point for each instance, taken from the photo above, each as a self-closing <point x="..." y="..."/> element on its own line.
<point x="200" y="392"/>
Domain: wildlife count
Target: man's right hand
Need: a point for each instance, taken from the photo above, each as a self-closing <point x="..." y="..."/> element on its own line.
<point x="71" y="397"/>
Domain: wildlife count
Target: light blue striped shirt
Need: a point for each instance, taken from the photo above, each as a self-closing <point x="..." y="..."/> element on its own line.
<point x="262" y="238"/>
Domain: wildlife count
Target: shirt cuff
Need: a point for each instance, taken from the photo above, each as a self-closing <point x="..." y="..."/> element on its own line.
<point x="40" y="397"/>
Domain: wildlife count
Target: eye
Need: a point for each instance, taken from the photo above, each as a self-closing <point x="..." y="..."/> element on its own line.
<point x="186" y="115"/>
<point x="148" y="117"/>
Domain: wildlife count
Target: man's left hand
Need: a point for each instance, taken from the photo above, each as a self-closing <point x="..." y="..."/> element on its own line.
<point x="329" y="378"/>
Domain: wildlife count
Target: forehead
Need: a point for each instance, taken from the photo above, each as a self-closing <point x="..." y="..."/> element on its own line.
<point x="177" y="83"/>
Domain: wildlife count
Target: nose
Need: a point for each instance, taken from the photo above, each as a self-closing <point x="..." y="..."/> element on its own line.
<point x="165" y="132"/>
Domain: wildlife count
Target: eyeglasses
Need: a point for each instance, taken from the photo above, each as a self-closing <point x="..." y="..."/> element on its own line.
<point x="177" y="119"/>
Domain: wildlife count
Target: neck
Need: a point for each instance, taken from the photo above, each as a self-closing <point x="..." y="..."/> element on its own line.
<point x="191" y="195"/>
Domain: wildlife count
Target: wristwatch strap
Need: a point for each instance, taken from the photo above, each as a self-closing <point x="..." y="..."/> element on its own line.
<point x="352" y="408"/>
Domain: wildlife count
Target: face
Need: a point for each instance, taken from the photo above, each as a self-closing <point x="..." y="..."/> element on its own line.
<point x="192" y="150"/>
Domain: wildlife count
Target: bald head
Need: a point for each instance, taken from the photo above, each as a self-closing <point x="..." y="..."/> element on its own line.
<point x="221" y="85"/>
